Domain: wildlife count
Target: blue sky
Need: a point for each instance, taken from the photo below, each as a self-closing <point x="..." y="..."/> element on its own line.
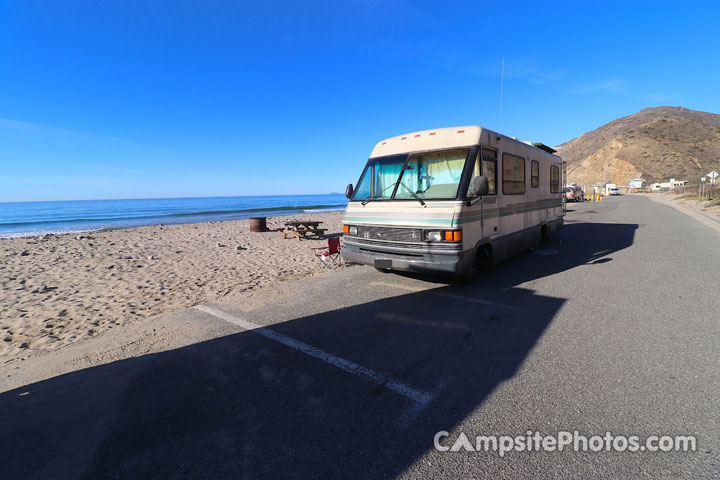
<point x="137" y="99"/>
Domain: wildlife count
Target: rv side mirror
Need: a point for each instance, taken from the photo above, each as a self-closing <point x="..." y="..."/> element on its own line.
<point x="349" y="191"/>
<point x="480" y="186"/>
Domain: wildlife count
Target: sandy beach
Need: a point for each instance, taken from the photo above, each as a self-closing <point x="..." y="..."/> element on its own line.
<point x="61" y="289"/>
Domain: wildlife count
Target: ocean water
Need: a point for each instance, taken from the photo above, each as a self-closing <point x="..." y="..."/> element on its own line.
<point x="38" y="218"/>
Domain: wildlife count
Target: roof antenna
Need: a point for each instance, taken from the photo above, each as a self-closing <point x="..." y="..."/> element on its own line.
<point x="502" y="77"/>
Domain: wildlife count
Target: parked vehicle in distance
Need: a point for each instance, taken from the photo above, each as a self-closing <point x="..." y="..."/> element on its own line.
<point x="614" y="191"/>
<point x="574" y="193"/>
<point x="450" y="200"/>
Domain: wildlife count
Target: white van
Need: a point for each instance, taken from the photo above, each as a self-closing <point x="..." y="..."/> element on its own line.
<point x="451" y="199"/>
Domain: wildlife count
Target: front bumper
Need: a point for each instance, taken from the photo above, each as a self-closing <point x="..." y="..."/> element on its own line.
<point x="409" y="258"/>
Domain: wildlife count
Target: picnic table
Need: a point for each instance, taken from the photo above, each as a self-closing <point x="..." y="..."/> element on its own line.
<point x="301" y="228"/>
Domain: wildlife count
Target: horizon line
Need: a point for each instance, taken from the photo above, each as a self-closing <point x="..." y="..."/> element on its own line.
<point x="170" y="198"/>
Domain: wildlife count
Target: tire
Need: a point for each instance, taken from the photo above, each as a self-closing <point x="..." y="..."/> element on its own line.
<point x="482" y="260"/>
<point x="543" y="236"/>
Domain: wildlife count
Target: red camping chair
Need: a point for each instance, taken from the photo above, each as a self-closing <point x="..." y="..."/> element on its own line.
<point x="331" y="253"/>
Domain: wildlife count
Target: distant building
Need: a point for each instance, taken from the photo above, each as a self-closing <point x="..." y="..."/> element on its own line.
<point x="669" y="185"/>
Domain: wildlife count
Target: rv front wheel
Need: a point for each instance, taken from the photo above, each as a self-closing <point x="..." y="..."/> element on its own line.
<point x="482" y="260"/>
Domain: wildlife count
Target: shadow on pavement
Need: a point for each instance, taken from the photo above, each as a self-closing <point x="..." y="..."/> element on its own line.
<point x="243" y="406"/>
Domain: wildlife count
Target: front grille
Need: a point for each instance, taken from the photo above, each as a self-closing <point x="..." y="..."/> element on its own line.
<point x="395" y="254"/>
<point x="390" y="234"/>
<point x="415" y="246"/>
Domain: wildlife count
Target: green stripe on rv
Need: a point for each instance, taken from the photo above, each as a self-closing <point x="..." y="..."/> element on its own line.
<point x="505" y="213"/>
<point x="398" y="221"/>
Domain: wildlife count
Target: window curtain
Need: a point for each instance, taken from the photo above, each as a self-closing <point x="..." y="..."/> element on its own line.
<point x="444" y="168"/>
<point x="386" y="175"/>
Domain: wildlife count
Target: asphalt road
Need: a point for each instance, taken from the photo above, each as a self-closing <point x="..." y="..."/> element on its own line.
<point x="350" y="375"/>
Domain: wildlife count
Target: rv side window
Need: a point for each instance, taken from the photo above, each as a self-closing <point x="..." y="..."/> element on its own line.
<point x="534" y="174"/>
<point x="513" y="174"/>
<point x="554" y="179"/>
<point x="486" y="164"/>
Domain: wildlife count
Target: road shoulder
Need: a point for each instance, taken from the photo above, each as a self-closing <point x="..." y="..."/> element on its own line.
<point x="706" y="218"/>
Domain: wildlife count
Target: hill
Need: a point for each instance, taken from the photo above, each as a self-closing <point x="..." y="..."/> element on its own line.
<point x="655" y="144"/>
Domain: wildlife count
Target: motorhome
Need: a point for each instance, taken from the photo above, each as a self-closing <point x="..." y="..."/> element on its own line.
<point x="574" y="193"/>
<point x="450" y="200"/>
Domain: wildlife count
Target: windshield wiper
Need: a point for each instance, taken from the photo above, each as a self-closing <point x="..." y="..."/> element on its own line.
<point x="373" y="197"/>
<point x="413" y="194"/>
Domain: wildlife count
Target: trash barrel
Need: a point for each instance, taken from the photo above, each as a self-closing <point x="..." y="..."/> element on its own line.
<point x="258" y="224"/>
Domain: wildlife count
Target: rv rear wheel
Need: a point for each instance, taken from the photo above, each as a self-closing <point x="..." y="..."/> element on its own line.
<point x="543" y="235"/>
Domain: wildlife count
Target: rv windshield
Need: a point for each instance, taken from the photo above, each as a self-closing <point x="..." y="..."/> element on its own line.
<point x="431" y="175"/>
<point x="380" y="175"/>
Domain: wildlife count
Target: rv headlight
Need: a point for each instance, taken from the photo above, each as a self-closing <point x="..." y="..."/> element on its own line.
<point x="433" y="236"/>
<point x="352" y="230"/>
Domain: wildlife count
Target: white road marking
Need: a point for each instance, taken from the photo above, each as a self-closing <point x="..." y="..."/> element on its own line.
<point x="418" y="396"/>
<point x="445" y="294"/>
<point x="414" y="410"/>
